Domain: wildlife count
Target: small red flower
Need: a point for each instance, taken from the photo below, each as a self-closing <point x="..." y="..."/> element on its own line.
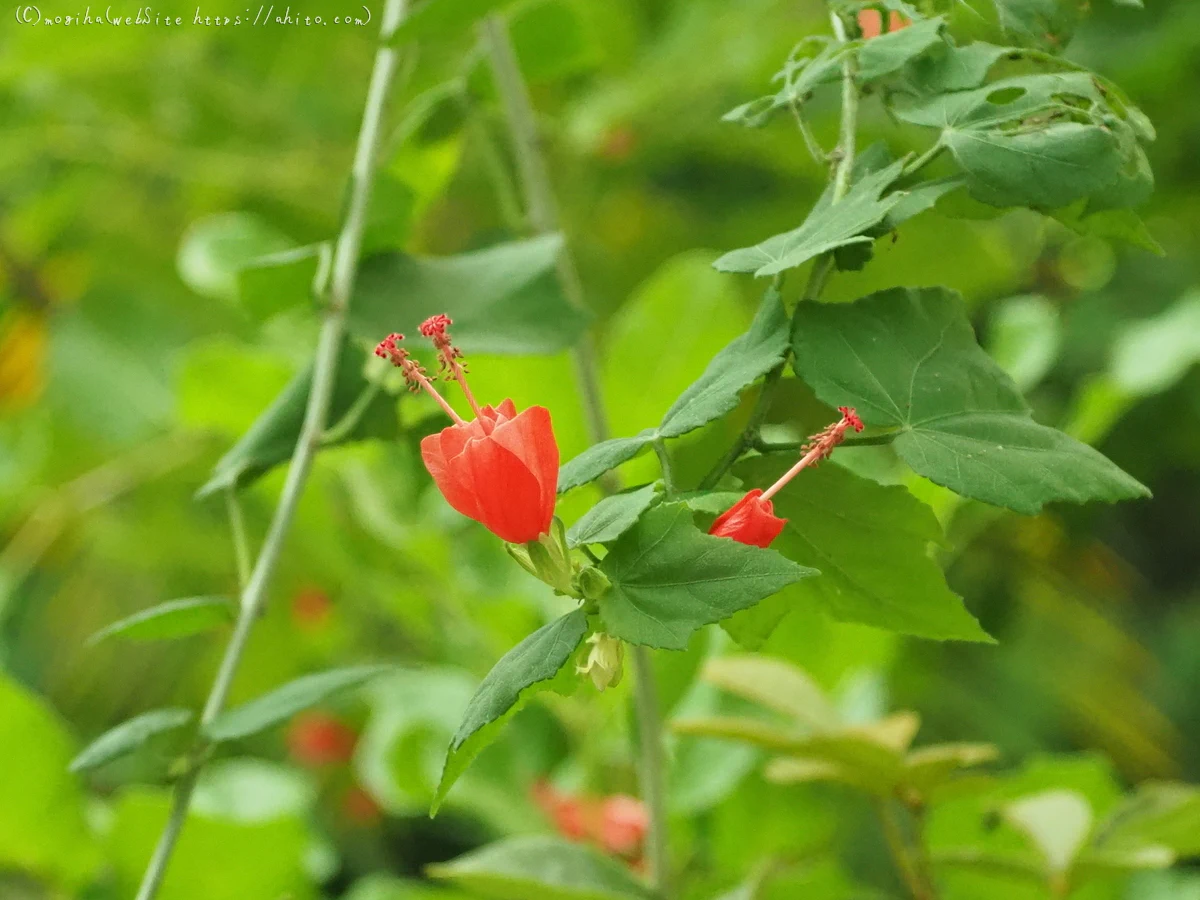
<point x="318" y="739"/>
<point x="751" y="520"/>
<point x="500" y="468"/>
<point x="617" y="823"/>
<point x="311" y="609"/>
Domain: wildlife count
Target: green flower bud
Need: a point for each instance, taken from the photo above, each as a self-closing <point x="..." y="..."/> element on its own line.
<point x="604" y="661"/>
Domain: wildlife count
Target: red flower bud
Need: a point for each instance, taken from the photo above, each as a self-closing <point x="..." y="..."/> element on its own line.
<point x="500" y="469"/>
<point x="751" y="520"/>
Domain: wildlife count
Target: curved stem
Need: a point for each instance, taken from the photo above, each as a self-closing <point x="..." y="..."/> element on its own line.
<point x="542" y="208"/>
<point x="907" y="862"/>
<point x="329" y="344"/>
<point x="237" y="527"/>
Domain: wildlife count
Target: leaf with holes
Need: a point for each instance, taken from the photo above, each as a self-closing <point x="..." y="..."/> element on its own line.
<point x="526" y="669"/>
<point x="827" y="227"/>
<point x="670" y="579"/>
<point x="1042" y="141"/>
<point x="907" y="359"/>
<point x="871" y="543"/>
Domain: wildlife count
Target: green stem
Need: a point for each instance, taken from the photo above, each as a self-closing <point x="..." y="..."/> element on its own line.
<point x="819" y="274"/>
<point x="542" y="208"/>
<point x="237" y="527"/>
<point x="906" y="861"/>
<point x="543" y="217"/>
<point x="664" y="462"/>
<point x="923" y="160"/>
<point x="653" y="770"/>
<point x="329" y="343"/>
<point x="342" y="429"/>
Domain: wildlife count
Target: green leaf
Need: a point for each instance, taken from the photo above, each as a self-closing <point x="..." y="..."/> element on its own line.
<point x="505" y="299"/>
<point x="871" y="543"/>
<point x="1042" y="141"/>
<point x="611" y="517"/>
<point x="1110" y="224"/>
<point x="826" y="228"/>
<point x="887" y="53"/>
<point x="215" y="249"/>
<point x="1164" y="813"/>
<point x="282" y="703"/>
<point x="816" y="60"/>
<point x="548" y="868"/>
<point x="907" y="358"/>
<point x="173" y="619"/>
<point x="129" y="736"/>
<point x="746" y="359"/>
<point x="1151" y="355"/>
<point x="272" y="438"/>
<point x="669" y="579"/>
<point x="1048" y="24"/>
<point x="599" y="458"/>
<point x="1057" y="822"/>
<point x="44" y="828"/>
<point x="270" y="284"/>
<point x="775" y="684"/>
<point x="715" y="393"/>
<point x="444" y="19"/>
<point x="526" y="669"/>
<point x="951" y="68"/>
<point x="929" y="767"/>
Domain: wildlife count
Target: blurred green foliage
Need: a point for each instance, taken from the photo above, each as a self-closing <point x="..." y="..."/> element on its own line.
<point x="142" y="166"/>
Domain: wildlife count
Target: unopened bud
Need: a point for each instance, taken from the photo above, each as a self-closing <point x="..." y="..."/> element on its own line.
<point x="592" y="583"/>
<point x="604" y="661"/>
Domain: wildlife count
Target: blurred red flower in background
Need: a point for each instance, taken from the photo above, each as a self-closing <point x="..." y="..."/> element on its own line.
<point x="616" y="823"/>
<point x="318" y="739"/>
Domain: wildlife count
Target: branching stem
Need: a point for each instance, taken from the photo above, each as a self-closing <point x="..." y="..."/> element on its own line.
<point x="345" y="263"/>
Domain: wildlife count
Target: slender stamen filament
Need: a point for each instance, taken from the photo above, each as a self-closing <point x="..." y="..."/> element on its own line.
<point x="461" y="377"/>
<point x="419" y="378"/>
<point x="822" y="445"/>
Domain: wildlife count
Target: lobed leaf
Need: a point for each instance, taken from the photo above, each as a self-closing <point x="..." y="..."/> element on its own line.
<point x="526" y="669"/>
<point x="907" y="358"/>
<point x="871" y="543"/>
<point x="669" y="579"/>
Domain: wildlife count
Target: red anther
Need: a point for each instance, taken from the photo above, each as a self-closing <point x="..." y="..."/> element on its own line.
<point x="435" y="327"/>
<point x="389" y="348"/>
<point x="850" y="416"/>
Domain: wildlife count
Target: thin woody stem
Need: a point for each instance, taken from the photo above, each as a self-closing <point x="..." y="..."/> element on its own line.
<point x="822" y="268"/>
<point x="345" y="263"/>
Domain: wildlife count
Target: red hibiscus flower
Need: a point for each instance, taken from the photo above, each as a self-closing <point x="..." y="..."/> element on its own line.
<point x="500" y="468"/>
<point x="752" y="519"/>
